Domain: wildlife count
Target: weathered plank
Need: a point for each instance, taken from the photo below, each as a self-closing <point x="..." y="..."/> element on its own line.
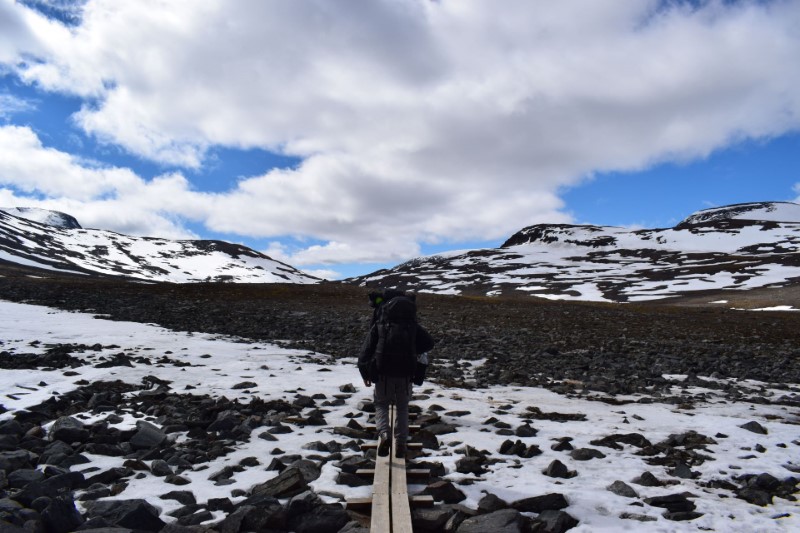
<point x="401" y="511"/>
<point x="381" y="496"/>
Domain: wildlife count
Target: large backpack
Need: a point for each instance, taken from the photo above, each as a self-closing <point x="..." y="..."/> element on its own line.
<point x="396" y="354"/>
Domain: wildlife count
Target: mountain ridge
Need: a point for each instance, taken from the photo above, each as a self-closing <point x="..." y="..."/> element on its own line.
<point x="74" y="250"/>
<point x="729" y="247"/>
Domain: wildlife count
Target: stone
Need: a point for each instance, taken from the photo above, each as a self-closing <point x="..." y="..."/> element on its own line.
<point x="559" y="470"/>
<point x="19" y="478"/>
<point x="428" y="440"/>
<point x="647" y="479"/>
<point x="444" y="491"/>
<point x="61" y="516"/>
<point x="288" y="483"/>
<point x="432" y="519"/>
<point x="267" y="514"/>
<point x="147" y="437"/>
<point x="672" y="502"/>
<point x="586" y="454"/>
<point x="131" y="514"/>
<point x="525" y="431"/>
<point x="441" y="428"/>
<point x="491" y="503"/>
<point x="503" y="521"/>
<point x="160" y="468"/>
<point x="50" y="487"/>
<point x="554" y="522"/>
<point x="537" y="504"/>
<point x="620" y="488"/>
<point x="14" y="460"/>
<point x="184" y="497"/>
<point x="326" y="518"/>
<point x="352" y="480"/>
<point x="755" y="427"/>
<point x="68" y="429"/>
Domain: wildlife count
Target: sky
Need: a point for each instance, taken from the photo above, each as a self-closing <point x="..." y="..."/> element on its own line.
<point x="343" y="137"/>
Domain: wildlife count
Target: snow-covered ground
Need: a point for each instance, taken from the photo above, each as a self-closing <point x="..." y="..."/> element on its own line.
<point x="219" y="363"/>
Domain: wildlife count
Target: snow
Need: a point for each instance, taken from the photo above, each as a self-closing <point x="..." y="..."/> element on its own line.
<point x="221" y="362"/>
<point x="105" y="252"/>
<point x="768" y="211"/>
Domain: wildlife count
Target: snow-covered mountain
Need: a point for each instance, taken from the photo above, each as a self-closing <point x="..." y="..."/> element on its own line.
<point x="741" y="246"/>
<point x="55" y="241"/>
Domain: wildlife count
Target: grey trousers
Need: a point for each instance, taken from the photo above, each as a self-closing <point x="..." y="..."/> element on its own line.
<point x="397" y="391"/>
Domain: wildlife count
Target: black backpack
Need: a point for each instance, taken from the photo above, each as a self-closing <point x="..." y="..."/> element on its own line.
<point x="396" y="353"/>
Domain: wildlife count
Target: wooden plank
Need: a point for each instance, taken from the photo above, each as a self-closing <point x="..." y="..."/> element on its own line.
<point x="421" y="500"/>
<point x="374" y="444"/>
<point x="359" y="504"/>
<point x="401" y="511"/>
<point x="381" y="498"/>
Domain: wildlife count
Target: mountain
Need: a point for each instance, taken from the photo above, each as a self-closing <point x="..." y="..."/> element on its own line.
<point x="54" y="241"/>
<point x="737" y="247"/>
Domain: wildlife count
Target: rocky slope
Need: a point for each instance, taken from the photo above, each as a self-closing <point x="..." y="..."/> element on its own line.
<point x="604" y="347"/>
<point x="737" y="247"/>
<point x="54" y="241"/>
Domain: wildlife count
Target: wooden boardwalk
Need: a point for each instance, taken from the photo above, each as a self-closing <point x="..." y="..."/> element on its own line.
<point x="390" y="503"/>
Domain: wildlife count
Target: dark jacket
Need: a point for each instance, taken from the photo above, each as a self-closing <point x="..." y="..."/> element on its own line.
<point x="366" y="359"/>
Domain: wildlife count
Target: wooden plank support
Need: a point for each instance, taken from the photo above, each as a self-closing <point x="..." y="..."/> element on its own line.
<point x="401" y="510"/>
<point x="381" y="503"/>
<point x="390" y="502"/>
<point x="411" y="473"/>
<point x="374" y="444"/>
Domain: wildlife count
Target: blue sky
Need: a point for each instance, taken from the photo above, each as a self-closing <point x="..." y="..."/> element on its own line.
<point x="343" y="140"/>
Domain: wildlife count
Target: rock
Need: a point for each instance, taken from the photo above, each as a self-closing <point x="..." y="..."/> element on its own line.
<point x="181" y="496"/>
<point x="441" y="428"/>
<point x="537" y="504"/>
<point x="444" y="491"/>
<point x="68" y="429"/>
<point x="426" y="438"/>
<point x="433" y="519"/>
<point x="620" y="488"/>
<point x="471" y="465"/>
<point x="288" y="483"/>
<point x="148" y="436"/>
<point x="503" y="521"/>
<point x="261" y="514"/>
<point x="131" y="514"/>
<point x="647" y="479"/>
<point x="525" y="430"/>
<point x="324" y="518"/>
<point x="14" y="460"/>
<point x="19" y="478"/>
<point x="160" y="468"/>
<point x="491" y="503"/>
<point x="49" y="487"/>
<point x="559" y="469"/>
<point x="586" y="454"/>
<point x="755" y="427"/>
<point x="61" y="516"/>
<point x="673" y="503"/>
<point x="352" y="480"/>
<point x="613" y="441"/>
<point x="554" y="522"/>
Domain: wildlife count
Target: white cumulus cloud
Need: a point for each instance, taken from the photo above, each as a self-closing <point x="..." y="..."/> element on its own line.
<point x="417" y="121"/>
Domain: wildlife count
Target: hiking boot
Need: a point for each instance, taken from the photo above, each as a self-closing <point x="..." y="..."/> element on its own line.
<point x="383" y="444"/>
<point x="400" y="450"/>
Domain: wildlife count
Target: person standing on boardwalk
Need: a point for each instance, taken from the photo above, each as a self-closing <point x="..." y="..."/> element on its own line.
<point x="391" y="359"/>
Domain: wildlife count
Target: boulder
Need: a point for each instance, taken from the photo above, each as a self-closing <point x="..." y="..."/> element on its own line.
<point x="537" y="504"/>
<point x="288" y="483"/>
<point x="503" y="521"/>
<point x="131" y="514"/>
<point x="68" y="429"/>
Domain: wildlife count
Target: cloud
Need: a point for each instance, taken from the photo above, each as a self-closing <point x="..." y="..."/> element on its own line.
<point x="416" y="121"/>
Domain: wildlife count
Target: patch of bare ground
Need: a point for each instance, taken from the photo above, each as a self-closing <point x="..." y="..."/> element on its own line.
<point x="613" y="348"/>
<point x="750" y="299"/>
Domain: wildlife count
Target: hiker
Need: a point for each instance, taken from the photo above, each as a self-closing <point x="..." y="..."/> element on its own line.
<point x="394" y="356"/>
